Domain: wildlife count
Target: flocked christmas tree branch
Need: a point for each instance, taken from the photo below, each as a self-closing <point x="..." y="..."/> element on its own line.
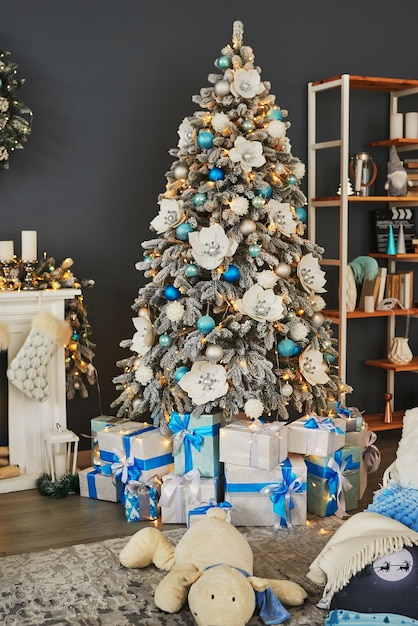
<point x="230" y="317"/>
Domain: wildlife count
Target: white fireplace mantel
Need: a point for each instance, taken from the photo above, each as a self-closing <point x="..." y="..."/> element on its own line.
<point x="28" y="419"/>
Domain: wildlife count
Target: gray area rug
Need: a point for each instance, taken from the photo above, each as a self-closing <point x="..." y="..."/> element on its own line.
<point x="86" y="585"/>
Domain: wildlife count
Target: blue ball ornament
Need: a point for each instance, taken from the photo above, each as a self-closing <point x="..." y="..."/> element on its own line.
<point x="292" y="179"/>
<point x="254" y="250"/>
<point x="266" y="192"/>
<point x="180" y="372"/>
<point x="183" y="230"/>
<point x="206" y="324"/>
<point x="297" y="350"/>
<point x="74" y="336"/>
<point x="172" y="293"/>
<point x="275" y="114"/>
<point x="191" y="270"/>
<point x="232" y="274"/>
<point x="205" y="139"/>
<point x="216" y="173"/>
<point x="258" y="202"/>
<point x="223" y="62"/>
<point x="165" y="340"/>
<point x="286" y="347"/>
<point x="199" y="199"/>
<point x="301" y="213"/>
<point x="329" y="358"/>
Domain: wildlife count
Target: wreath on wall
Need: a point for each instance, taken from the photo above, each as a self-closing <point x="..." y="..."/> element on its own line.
<point x="15" y="116"/>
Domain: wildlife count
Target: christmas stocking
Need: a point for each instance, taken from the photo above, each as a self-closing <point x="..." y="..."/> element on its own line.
<point x="28" y="370"/>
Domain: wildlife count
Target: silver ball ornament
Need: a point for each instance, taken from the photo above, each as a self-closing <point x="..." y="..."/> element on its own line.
<point x="180" y="171"/>
<point x="222" y="88"/>
<point x="286" y="390"/>
<point x="317" y="320"/>
<point x="279" y="168"/>
<point x="214" y="353"/>
<point x="136" y="402"/>
<point x="247" y="227"/>
<point x="283" y="270"/>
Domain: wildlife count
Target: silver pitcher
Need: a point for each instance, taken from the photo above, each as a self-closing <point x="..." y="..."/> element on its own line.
<point x="363" y="170"/>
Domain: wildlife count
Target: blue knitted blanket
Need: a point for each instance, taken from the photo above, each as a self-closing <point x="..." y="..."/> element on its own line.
<point x="397" y="503"/>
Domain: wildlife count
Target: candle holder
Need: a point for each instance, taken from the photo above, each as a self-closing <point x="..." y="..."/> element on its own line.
<point x="29" y="282"/>
<point x="388" y="415"/>
<point x="61" y="445"/>
<point x="8" y="281"/>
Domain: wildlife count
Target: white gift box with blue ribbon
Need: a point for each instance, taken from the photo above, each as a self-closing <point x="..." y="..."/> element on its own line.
<point x="253" y="443"/>
<point x="315" y="435"/>
<point x="195" y="513"/>
<point x="99" y="483"/>
<point x="136" y="454"/>
<point x="274" y="497"/>
<point x="196" y="443"/>
<point x="178" y="492"/>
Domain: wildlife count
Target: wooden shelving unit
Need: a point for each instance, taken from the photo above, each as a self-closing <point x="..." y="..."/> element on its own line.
<point x="376" y="423"/>
<point x="345" y="83"/>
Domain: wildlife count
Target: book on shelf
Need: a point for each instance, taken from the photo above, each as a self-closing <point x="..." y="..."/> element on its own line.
<point x="406" y="289"/>
<point x="369" y="287"/>
<point x="392" y="286"/>
<point x="382" y="285"/>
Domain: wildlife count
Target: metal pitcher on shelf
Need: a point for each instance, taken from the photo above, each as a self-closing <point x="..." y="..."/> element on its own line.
<point x="364" y="170"/>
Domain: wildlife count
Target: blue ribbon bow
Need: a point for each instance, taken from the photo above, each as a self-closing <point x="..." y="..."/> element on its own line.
<point x="281" y="493"/>
<point x="325" y="424"/>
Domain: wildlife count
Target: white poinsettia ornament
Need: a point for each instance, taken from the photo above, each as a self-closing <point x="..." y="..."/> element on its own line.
<point x="281" y="214"/>
<point x="144" y="374"/>
<point x="253" y="408"/>
<point x="313" y="367"/>
<point x="211" y="245"/>
<point x="205" y="382"/>
<point x="276" y="129"/>
<point x="143" y="339"/>
<point x="220" y="122"/>
<point x="267" y="279"/>
<point x="170" y="215"/>
<point x="175" y="311"/>
<point x="261" y="304"/>
<point x="239" y="205"/>
<point x="187" y="134"/>
<point x="246" y="83"/>
<point x="248" y="153"/>
<point x="310" y="274"/>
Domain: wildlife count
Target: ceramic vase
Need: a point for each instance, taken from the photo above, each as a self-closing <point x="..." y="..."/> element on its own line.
<point x="400" y="352"/>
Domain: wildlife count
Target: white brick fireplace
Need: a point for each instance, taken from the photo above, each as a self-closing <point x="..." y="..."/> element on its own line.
<point x="29" y="419"/>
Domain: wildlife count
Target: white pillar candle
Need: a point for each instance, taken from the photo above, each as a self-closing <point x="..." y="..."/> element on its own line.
<point x="60" y="460"/>
<point x="6" y="251"/>
<point x="359" y="169"/>
<point x="396" y="126"/>
<point x="411" y="125"/>
<point x="369" y="304"/>
<point x="29" y="245"/>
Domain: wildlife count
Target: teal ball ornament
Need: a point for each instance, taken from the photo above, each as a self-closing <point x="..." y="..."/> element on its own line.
<point x="206" y="324"/>
<point x="199" y="199"/>
<point x="292" y="179"/>
<point x="165" y="340"/>
<point x="191" y="270"/>
<point x="223" y="62"/>
<point x="183" y="230"/>
<point x="266" y="192"/>
<point x="205" y="139"/>
<point x="215" y="174"/>
<point x="328" y="358"/>
<point x="147" y="258"/>
<point x="258" y="202"/>
<point x="172" y="293"/>
<point x="232" y="274"/>
<point x="274" y="114"/>
<point x="286" y="347"/>
<point x="247" y="126"/>
<point x="301" y="213"/>
<point x="180" y="372"/>
<point x="254" y="250"/>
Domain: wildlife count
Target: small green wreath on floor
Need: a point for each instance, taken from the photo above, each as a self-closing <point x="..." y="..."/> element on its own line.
<point x="60" y="488"/>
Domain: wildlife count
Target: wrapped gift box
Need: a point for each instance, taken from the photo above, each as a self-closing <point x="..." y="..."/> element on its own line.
<point x="99" y="423"/>
<point x="253" y="443"/>
<point x="334" y="482"/>
<point x="315" y="435"/>
<point x="369" y="453"/>
<point x="196" y="443"/>
<point x="141" y="500"/>
<point x="274" y="497"/>
<point x="194" y="512"/>
<point x="136" y="453"/>
<point x="177" y="492"/>
<point x="352" y="416"/>
<point x="99" y="486"/>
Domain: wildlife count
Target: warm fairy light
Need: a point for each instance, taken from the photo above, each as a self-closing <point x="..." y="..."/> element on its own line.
<point x="243" y="363"/>
<point x="300" y="312"/>
<point x="220" y="269"/>
<point x="304" y="387"/>
<point x="285" y="377"/>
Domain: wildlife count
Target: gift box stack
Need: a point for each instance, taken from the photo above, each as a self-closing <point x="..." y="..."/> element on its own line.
<point x="265" y="485"/>
<point x="333" y="464"/>
<point x="194" y="484"/>
<point x="132" y="459"/>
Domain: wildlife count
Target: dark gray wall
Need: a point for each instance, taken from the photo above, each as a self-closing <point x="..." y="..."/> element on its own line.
<point x="110" y="81"/>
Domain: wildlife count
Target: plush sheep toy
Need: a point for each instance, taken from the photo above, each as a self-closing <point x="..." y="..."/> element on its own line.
<point x="212" y="566"/>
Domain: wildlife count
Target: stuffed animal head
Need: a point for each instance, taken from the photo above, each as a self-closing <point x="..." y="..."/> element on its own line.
<point x="222" y="596"/>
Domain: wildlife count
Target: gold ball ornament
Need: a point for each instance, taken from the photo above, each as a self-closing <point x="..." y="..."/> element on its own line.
<point x="317" y="319"/>
<point x="222" y="88"/>
<point x="180" y="171"/>
<point x="286" y="390"/>
<point x="214" y="353"/>
<point x="247" y="227"/>
<point x="283" y="270"/>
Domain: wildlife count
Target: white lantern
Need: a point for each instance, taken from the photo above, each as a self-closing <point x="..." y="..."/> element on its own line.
<point x="59" y="447"/>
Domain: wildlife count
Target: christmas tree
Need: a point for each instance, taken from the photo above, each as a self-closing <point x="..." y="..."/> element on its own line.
<point x="231" y="316"/>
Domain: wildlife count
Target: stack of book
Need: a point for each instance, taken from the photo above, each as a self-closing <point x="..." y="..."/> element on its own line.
<point x="399" y="285"/>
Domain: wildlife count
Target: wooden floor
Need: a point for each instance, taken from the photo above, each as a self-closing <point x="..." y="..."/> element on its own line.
<point x="30" y="522"/>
